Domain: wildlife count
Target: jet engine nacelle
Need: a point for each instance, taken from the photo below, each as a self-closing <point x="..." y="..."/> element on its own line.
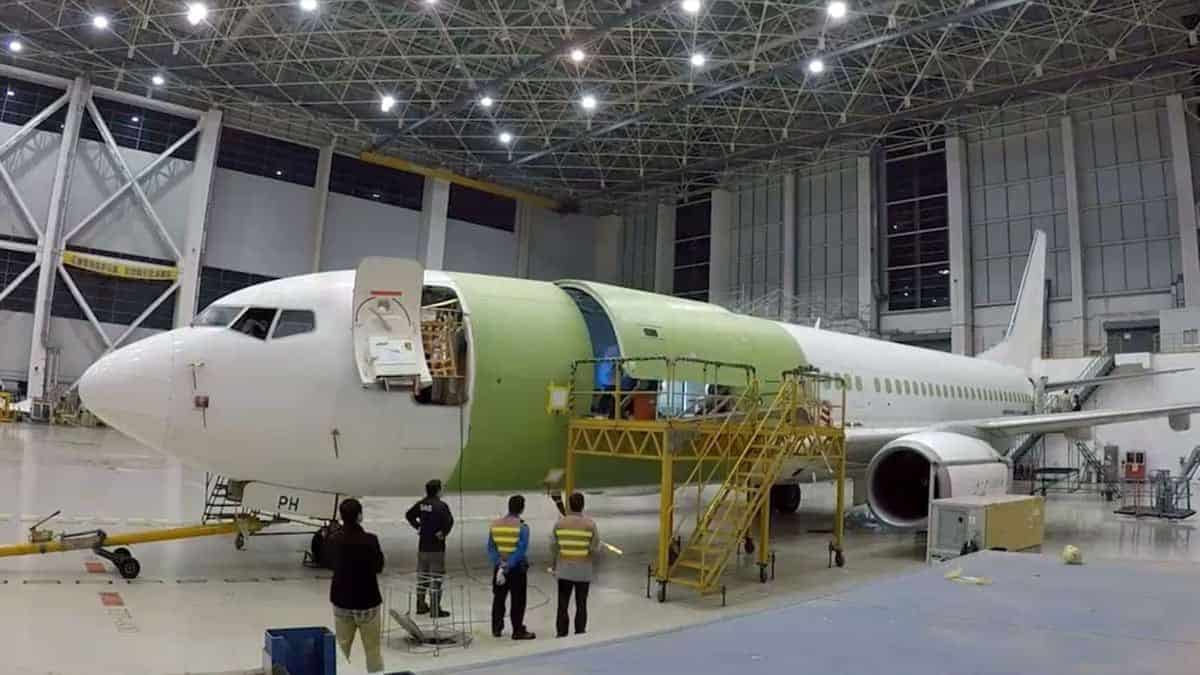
<point x="898" y="476"/>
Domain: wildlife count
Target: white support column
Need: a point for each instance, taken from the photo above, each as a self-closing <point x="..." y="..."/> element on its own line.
<point x="868" y="311"/>
<point x="664" y="249"/>
<point x="1185" y="199"/>
<point x="718" y="261"/>
<point x="608" y="249"/>
<point x="431" y="239"/>
<point x="1078" y="334"/>
<point x="321" y="202"/>
<point x="788" y="262"/>
<point x="49" y="247"/>
<point x="962" y="305"/>
<point x="197" y="220"/>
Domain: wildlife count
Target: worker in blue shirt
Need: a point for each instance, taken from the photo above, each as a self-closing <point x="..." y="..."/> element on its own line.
<point x="508" y="546"/>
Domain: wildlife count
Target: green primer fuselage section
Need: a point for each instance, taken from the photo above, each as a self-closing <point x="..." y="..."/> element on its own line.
<point x="526" y="334"/>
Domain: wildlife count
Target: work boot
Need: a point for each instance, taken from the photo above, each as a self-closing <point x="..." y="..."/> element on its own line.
<point x="439" y="613"/>
<point x="523" y="635"/>
<point x="422" y="607"/>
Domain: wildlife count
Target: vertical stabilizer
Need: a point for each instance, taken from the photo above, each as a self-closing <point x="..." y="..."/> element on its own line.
<point x="1023" y="340"/>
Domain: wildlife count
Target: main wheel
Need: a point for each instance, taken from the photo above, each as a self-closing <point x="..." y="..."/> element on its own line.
<point x="129" y="568"/>
<point x="662" y="592"/>
<point x="748" y="546"/>
<point x="316" y="547"/>
<point x="239" y="542"/>
<point x="785" y="498"/>
<point x="762" y="574"/>
<point x="839" y="559"/>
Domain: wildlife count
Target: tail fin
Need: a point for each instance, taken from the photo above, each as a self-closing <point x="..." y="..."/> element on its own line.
<point x="1023" y="340"/>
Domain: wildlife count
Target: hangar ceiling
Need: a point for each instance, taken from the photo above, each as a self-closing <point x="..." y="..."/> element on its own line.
<point x="660" y="123"/>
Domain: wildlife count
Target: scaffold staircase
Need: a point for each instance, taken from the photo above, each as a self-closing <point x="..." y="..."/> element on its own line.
<point x="220" y="504"/>
<point x="742" y="497"/>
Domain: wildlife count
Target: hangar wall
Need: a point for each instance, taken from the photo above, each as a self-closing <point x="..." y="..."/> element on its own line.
<point x="1106" y="197"/>
<point x="261" y="224"/>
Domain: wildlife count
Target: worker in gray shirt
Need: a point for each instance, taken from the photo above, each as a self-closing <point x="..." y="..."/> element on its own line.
<point x="574" y="541"/>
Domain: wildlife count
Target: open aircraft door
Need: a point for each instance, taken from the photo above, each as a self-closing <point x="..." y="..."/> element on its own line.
<point x="387" y="323"/>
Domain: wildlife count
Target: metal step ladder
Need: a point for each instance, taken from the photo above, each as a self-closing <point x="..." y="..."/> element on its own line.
<point x="220" y="504"/>
<point x="742" y="496"/>
<point x="1100" y="366"/>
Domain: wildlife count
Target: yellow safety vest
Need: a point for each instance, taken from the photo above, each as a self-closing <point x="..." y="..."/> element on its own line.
<point x="573" y="542"/>
<point x="505" y="533"/>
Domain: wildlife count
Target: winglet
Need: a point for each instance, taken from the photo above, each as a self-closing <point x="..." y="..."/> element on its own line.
<point x="1022" y="343"/>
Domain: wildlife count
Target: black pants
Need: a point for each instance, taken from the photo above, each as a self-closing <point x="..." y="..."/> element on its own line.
<point x="605" y="403"/>
<point x="564" y="599"/>
<point x="516" y="582"/>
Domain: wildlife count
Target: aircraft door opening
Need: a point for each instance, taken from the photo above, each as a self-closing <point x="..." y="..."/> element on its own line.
<point x="444" y="340"/>
<point x="388" y="348"/>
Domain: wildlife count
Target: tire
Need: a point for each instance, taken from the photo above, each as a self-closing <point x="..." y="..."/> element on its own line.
<point x="839" y="559"/>
<point x="129" y="568"/>
<point x="748" y="546"/>
<point x="316" y="547"/>
<point x="662" y="592"/>
<point x="239" y="542"/>
<point x="762" y="574"/>
<point x="785" y="498"/>
<point x="122" y="553"/>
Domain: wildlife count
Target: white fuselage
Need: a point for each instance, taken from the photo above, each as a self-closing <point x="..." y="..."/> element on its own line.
<point x="293" y="411"/>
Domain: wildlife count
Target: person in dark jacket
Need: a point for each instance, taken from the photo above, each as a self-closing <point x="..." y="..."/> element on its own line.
<point x="356" y="560"/>
<point x="431" y="518"/>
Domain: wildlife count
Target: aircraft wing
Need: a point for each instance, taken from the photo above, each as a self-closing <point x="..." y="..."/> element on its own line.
<point x="864" y="440"/>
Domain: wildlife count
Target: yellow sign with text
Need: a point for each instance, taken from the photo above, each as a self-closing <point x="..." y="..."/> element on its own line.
<point x="115" y="267"/>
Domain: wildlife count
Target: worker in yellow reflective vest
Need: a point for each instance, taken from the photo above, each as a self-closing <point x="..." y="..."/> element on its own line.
<point x="574" y="541"/>
<point x="508" y="545"/>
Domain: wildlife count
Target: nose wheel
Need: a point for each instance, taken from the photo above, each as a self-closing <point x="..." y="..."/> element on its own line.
<point x="122" y="559"/>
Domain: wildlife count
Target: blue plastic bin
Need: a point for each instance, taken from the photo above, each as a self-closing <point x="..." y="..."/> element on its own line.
<point x="302" y="651"/>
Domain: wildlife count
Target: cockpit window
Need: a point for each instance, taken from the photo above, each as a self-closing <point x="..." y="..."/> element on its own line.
<point x="294" y="322"/>
<point x="217" y="315"/>
<point x="255" y="322"/>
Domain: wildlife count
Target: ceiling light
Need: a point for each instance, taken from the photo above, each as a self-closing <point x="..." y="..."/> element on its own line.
<point x="691" y="6"/>
<point x="816" y="66"/>
<point x="836" y="9"/>
<point x="308" y="5"/>
<point x="577" y="55"/>
<point x="588" y="102"/>
<point x="10" y="92"/>
<point x="698" y="59"/>
<point x="374" y="195"/>
<point x="486" y="101"/>
<point x="100" y="21"/>
<point x="431" y="2"/>
<point x="158" y="80"/>
<point x="15" y="46"/>
<point x="278" y="172"/>
<point x="197" y="12"/>
<point x="387" y="102"/>
<point x="506" y="137"/>
<point x="135" y="119"/>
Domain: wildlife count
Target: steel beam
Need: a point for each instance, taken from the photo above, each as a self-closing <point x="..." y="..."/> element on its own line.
<point x="321" y="203"/>
<point x="50" y="245"/>
<point x="962" y="304"/>
<point x="431" y="235"/>
<point x="1078" y="330"/>
<point x="196" y="226"/>
<point x="1185" y="199"/>
<point x="664" y="248"/>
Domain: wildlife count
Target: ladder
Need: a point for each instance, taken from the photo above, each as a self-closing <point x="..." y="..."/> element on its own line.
<point x="742" y="496"/>
<point x="220" y="503"/>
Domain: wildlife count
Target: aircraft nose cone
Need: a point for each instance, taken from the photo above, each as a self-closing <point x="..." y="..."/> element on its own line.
<point x="130" y="389"/>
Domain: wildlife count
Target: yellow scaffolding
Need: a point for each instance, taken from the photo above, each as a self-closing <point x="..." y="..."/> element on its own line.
<point x="738" y="437"/>
<point x="7" y="414"/>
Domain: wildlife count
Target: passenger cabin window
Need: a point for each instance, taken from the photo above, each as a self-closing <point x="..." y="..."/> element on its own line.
<point x="858" y="382"/>
<point x="888" y="382"/>
<point x="294" y="322"/>
<point x="217" y="315"/>
<point x="255" y="322"/>
<point x="877" y="390"/>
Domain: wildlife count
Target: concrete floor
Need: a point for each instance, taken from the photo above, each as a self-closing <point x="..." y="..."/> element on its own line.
<point x="201" y="606"/>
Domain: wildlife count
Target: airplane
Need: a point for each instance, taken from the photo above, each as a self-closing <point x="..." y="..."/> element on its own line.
<point x="310" y="387"/>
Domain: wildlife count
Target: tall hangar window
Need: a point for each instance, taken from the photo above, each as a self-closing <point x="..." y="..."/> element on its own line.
<point x="482" y="208"/>
<point x="267" y="157"/>
<point x="20" y="101"/>
<point x="638" y="237"/>
<point x="917" y="228"/>
<point x="693" y="248"/>
<point x="354" y="177"/>
<point x="114" y="299"/>
<point x="140" y="129"/>
<point x="216" y="283"/>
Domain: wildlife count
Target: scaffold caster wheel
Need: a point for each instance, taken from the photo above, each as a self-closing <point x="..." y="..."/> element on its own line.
<point x="662" y="591"/>
<point x="839" y="559"/>
<point x="129" y="567"/>
<point x="239" y="542"/>
<point x="122" y="553"/>
<point x="748" y="546"/>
